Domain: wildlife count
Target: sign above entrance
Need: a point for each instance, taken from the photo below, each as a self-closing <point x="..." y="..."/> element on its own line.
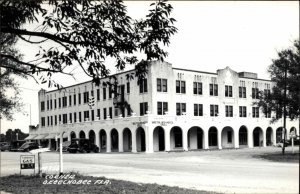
<point x="162" y="123"/>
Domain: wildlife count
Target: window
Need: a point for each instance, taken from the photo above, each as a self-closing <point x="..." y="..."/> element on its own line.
<point x="43" y="121"/>
<point x="197" y="88"/>
<point x="162" y="108"/>
<point x="229" y="136"/>
<point x="43" y="106"/>
<point x="79" y="116"/>
<point x="143" y="86"/>
<point x="70" y="117"/>
<point x="79" y="98"/>
<point x="213" y="89"/>
<point x="75" y="117"/>
<point x="180" y="86"/>
<point x="229" y="111"/>
<point x="59" y="119"/>
<point x="162" y="85"/>
<point x="92" y="93"/>
<point x="110" y="112"/>
<point x="64" y="101"/>
<point x="255" y="93"/>
<point x="128" y="110"/>
<point x="70" y="100"/>
<point x="93" y="115"/>
<point x="55" y="104"/>
<point x="74" y="99"/>
<point x="109" y="92"/>
<point x="47" y="104"/>
<point x="267" y="112"/>
<point x="86" y="115"/>
<point x="51" y="119"/>
<point x="243" y="111"/>
<point x="128" y="87"/>
<point x="180" y="108"/>
<point x="104" y="113"/>
<point x="59" y="102"/>
<point x="267" y="92"/>
<point x="255" y="112"/>
<point x="98" y="94"/>
<point x="104" y="93"/>
<point x="143" y="108"/>
<point x="228" y="91"/>
<point x="98" y="113"/>
<point x="48" y="121"/>
<point x="198" y="109"/>
<point x="65" y="118"/>
<point x="85" y="97"/>
<point x="50" y="104"/>
<point x="242" y="92"/>
<point x="55" y="119"/>
<point x="214" y="110"/>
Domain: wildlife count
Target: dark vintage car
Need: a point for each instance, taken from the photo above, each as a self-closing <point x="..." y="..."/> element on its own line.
<point x="4" y="146"/>
<point x="28" y="146"/>
<point x="82" y="145"/>
<point x="65" y="146"/>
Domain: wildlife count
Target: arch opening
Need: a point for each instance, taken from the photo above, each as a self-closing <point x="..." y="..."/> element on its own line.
<point x="158" y="139"/>
<point x="102" y="138"/>
<point x="257" y="137"/>
<point x="213" y="137"/>
<point x="114" y="140"/>
<point x="227" y="137"/>
<point x="140" y="140"/>
<point x="243" y="136"/>
<point x="176" y="138"/>
<point x="269" y="134"/>
<point x="127" y="140"/>
<point x="195" y="138"/>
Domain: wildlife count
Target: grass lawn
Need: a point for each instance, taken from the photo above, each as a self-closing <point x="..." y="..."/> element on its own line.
<point x="33" y="184"/>
<point x="278" y="157"/>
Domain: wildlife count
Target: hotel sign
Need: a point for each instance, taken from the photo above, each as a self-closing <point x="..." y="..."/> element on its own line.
<point x="162" y="123"/>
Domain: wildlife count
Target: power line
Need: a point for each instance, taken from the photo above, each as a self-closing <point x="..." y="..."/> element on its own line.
<point x="29" y="89"/>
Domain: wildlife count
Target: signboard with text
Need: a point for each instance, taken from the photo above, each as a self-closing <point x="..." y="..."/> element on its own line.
<point x="27" y="161"/>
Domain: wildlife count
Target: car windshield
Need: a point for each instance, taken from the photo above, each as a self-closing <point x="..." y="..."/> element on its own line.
<point x="25" y="145"/>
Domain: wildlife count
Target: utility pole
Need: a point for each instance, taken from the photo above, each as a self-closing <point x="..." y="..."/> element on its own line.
<point x="284" y="109"/>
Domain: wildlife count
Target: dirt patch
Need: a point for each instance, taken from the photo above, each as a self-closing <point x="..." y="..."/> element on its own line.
<point x="279" y="157"/>
<point x="33" y="184"/>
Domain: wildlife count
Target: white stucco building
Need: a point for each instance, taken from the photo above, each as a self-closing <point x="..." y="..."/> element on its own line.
<point x="172" y="109"/>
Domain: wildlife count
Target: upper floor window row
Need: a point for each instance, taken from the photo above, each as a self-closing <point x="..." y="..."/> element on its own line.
<point x="228" y="91"/>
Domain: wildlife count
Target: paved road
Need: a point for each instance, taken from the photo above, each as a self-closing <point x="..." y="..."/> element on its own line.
<point x="224" y="171"/>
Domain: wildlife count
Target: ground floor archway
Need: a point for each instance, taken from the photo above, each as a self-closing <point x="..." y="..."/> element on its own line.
<point x="81" y="134"/>
<point x="269" y="135"/>
<point x="212" y="137"/>
<point x="257" y="137"/>
<point x="72" y="135"/>
<point x="195" y="138"/>
<point x="102" y="139"/>
<point x="140" y="140"/>
<point x="158" y="139"/>
<point x="227" y="137"/>
<point x="243" y="136"/>
<point x="114" y="135"/>
<point x="92" y="136"/>
<point x="279" y="134"/>
<point x="176" y="138"/>
<point x="127" y="140"/>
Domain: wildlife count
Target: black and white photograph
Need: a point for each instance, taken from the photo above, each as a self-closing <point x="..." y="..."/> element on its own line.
<point x="164" y="96"/>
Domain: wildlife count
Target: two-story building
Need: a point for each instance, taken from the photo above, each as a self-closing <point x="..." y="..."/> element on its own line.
<point x="172" y="109"/>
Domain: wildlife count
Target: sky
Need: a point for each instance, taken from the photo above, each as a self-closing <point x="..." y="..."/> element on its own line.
<point x="211" y="35"/>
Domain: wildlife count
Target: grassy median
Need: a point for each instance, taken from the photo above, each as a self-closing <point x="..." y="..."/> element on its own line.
<point x="34" y="184"/>
<point x="288" y="157"/>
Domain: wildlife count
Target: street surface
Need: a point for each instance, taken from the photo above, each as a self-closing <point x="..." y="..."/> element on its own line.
<point x="222" y="171"/>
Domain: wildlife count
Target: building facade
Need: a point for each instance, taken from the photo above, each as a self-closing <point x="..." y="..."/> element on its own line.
<point x="172" y="109"/>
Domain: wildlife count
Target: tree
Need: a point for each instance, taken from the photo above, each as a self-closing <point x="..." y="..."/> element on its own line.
<point x="84" y="34"/>
<point x="285" y="96"/>
<point x="9" y="91"/>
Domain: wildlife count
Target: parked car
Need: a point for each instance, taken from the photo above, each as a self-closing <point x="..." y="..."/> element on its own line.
<point x="26" y="147"/>
<point x="280" y="144"/>
<point x="65" y="146"/>
<point x="82" y="145"/>
<point x="14" y="145"/>
<point x="4" y="146"/>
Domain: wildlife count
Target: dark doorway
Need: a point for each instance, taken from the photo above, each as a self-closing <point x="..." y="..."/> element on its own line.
<point x="213" y="136"/>
<point x="102" y="140"/>
<point x="114" y="140"/>
<point x="256" y="137"/>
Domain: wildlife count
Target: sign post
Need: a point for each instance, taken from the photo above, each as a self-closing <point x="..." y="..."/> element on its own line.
<point x="27" y="162"/>
<point x="292" y="136"/>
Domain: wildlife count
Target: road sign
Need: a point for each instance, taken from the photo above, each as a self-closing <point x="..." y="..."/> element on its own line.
<point x="292" y="134"/>
<point x="27" y="161"/>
